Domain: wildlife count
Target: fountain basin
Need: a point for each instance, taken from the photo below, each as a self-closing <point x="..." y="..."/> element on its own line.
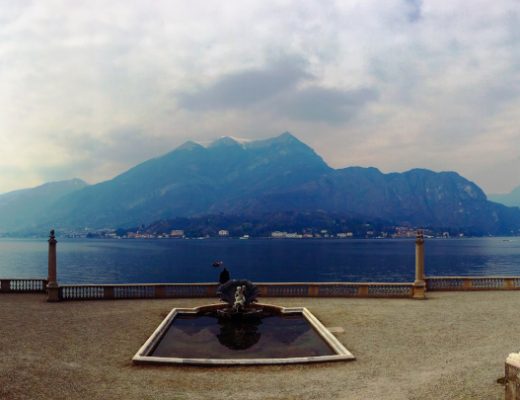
<point x="273" y="335"/>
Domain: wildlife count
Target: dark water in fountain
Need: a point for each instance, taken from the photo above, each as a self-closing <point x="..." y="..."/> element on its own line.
<point x="273" y="336"/>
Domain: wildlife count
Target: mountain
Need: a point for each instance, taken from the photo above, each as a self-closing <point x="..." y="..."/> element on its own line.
<point x="271" y="177"/>
<point x="23" y="209"/>
<point x="192" y="180"/>
<point x="509" y="199"/>
<point x="417" y="197"/>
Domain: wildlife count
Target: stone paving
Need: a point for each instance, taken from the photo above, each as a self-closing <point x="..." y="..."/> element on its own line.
<point x="451" y="346"/>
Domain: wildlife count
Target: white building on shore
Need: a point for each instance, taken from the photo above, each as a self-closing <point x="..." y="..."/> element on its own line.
<point x="177" y="233"/>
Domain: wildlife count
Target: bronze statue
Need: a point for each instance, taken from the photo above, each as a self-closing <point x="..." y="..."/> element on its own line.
<point x="239" y="294"/>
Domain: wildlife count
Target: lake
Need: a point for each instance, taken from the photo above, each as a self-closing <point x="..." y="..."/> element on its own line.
<point x="260" y="260"/>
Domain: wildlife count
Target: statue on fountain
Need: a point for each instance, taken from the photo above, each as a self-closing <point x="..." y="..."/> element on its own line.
<point x="239" y="294"/>
<point x="240" y="299"/>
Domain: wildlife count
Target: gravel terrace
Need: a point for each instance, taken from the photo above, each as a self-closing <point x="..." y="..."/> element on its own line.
<point x="451" y="346"/>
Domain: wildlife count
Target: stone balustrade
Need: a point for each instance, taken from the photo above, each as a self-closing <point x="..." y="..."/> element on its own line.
<point x="289" y="289"/>
<point x="136" y="291"/>
<point x="23" y="285"/>
<point x="190" y="290"/>
<point x="446" y="283"/>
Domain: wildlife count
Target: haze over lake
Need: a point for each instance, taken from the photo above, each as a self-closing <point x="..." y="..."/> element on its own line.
<point x="260" y="260"/>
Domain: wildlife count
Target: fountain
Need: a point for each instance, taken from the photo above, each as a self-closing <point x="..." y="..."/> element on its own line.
<point x="241" y="331"/>
<point x="240" y="296"/>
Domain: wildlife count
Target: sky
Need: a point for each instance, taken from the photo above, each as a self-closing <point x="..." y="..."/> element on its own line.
<point x="91" y="88"/>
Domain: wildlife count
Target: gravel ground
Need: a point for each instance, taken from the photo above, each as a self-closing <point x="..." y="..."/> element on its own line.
<point x="451" y="346"/>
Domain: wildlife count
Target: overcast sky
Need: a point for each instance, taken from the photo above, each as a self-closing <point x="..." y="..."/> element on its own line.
<point x="91" y="88"/>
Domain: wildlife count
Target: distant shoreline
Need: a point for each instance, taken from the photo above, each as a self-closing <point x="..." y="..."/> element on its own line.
<point x="6" y="237"/>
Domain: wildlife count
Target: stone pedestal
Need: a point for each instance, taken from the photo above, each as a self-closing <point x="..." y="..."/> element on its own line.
<point x="5" y="285"/>
<point x="419" y="285"/>
<point x="53" y="294"/>
<point x="52" y="281"/>
<point x="512" y="378"/>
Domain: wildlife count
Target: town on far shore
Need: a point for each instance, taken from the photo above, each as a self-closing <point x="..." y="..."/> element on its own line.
<point x="394" y="233"/>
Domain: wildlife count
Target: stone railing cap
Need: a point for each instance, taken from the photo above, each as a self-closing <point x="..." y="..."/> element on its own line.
<point x="514" y="359"/>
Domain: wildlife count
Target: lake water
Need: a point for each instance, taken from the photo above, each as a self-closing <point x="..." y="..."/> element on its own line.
<point x="260" y="260"/>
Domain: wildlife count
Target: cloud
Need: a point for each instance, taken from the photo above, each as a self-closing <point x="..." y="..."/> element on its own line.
<point x="93" y="89"/>
<point x="282" y="88"/>
<point x="90" y="157"/>
<point x="248" y="87"/>
<point x="328" y="105"/>
<point x="414" y="12"/>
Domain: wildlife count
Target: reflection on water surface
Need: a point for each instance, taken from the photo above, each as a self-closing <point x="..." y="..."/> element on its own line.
<point x="270" y="336"/>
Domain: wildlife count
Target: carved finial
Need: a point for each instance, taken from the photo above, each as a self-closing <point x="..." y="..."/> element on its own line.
<point x="52" y="238"/>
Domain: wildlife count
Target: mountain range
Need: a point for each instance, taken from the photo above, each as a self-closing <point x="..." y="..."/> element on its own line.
<point x="23" y="210"/>
<point x="253" y="178"/>
<point x="511" y="199"/>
